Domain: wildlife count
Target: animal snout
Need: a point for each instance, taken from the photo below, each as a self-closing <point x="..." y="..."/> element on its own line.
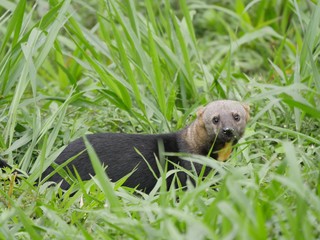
<point x="228" y="132"/>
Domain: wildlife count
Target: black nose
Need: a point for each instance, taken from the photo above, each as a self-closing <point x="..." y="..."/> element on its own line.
<point x="229" y="132"/>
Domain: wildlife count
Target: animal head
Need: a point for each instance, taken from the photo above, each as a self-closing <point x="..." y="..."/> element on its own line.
<point x="224" y="122"/>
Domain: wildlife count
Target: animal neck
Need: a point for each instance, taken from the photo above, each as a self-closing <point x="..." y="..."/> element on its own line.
<point x="196" y="138"/>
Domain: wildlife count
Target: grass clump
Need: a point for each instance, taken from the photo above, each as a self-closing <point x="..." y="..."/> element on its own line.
<point x="75" y="67"/>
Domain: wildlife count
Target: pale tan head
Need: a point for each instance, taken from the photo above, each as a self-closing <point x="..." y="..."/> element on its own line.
<point x="224" y="120"/>
<point x="218" y="126"/>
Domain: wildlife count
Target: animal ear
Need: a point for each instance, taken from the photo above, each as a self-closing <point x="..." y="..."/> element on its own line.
<point x="200" y="112"/>
<point x="247" y="109"/>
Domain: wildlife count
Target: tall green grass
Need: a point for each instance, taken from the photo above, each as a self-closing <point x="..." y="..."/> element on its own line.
<point x="73" y="67"/>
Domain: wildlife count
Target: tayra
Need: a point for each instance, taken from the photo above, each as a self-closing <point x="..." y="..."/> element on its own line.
<point x="218" y="126"/>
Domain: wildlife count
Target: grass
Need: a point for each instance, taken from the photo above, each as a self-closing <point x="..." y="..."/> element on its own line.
<point x="73" y="67"/>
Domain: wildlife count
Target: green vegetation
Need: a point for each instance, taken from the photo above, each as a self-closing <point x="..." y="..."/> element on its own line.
<point x="73" y="67"/>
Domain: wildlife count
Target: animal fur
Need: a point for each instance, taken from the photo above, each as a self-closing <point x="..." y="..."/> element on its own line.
<point x="217" y="128"/>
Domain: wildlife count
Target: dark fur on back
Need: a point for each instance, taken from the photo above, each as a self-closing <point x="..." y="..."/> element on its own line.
<point x="119" y="153"/>
<point x="3" y="164"/>
<point x="218" y="126"/>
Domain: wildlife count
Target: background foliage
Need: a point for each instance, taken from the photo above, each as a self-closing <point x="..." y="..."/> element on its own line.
<point x="73" y="67"/>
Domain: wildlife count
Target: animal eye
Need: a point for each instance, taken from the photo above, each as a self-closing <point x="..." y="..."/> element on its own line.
<point x="215" y="119"/>
<point x="236" y="117"/>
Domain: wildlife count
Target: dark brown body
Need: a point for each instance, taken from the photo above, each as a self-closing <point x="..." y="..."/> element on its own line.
<point x="122" y="153"/>
<point x="219" y="124"/>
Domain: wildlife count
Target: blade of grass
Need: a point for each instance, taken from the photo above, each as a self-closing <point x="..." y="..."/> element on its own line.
<point x="14" y="26"/>
<point x="126" y="64"/>
<point x="158" y="79"/>
<point x="22" y="84"/>
<point x="103" y="180"/>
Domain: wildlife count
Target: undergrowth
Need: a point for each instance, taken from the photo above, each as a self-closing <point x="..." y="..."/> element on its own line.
<point x="68" y="68"/>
